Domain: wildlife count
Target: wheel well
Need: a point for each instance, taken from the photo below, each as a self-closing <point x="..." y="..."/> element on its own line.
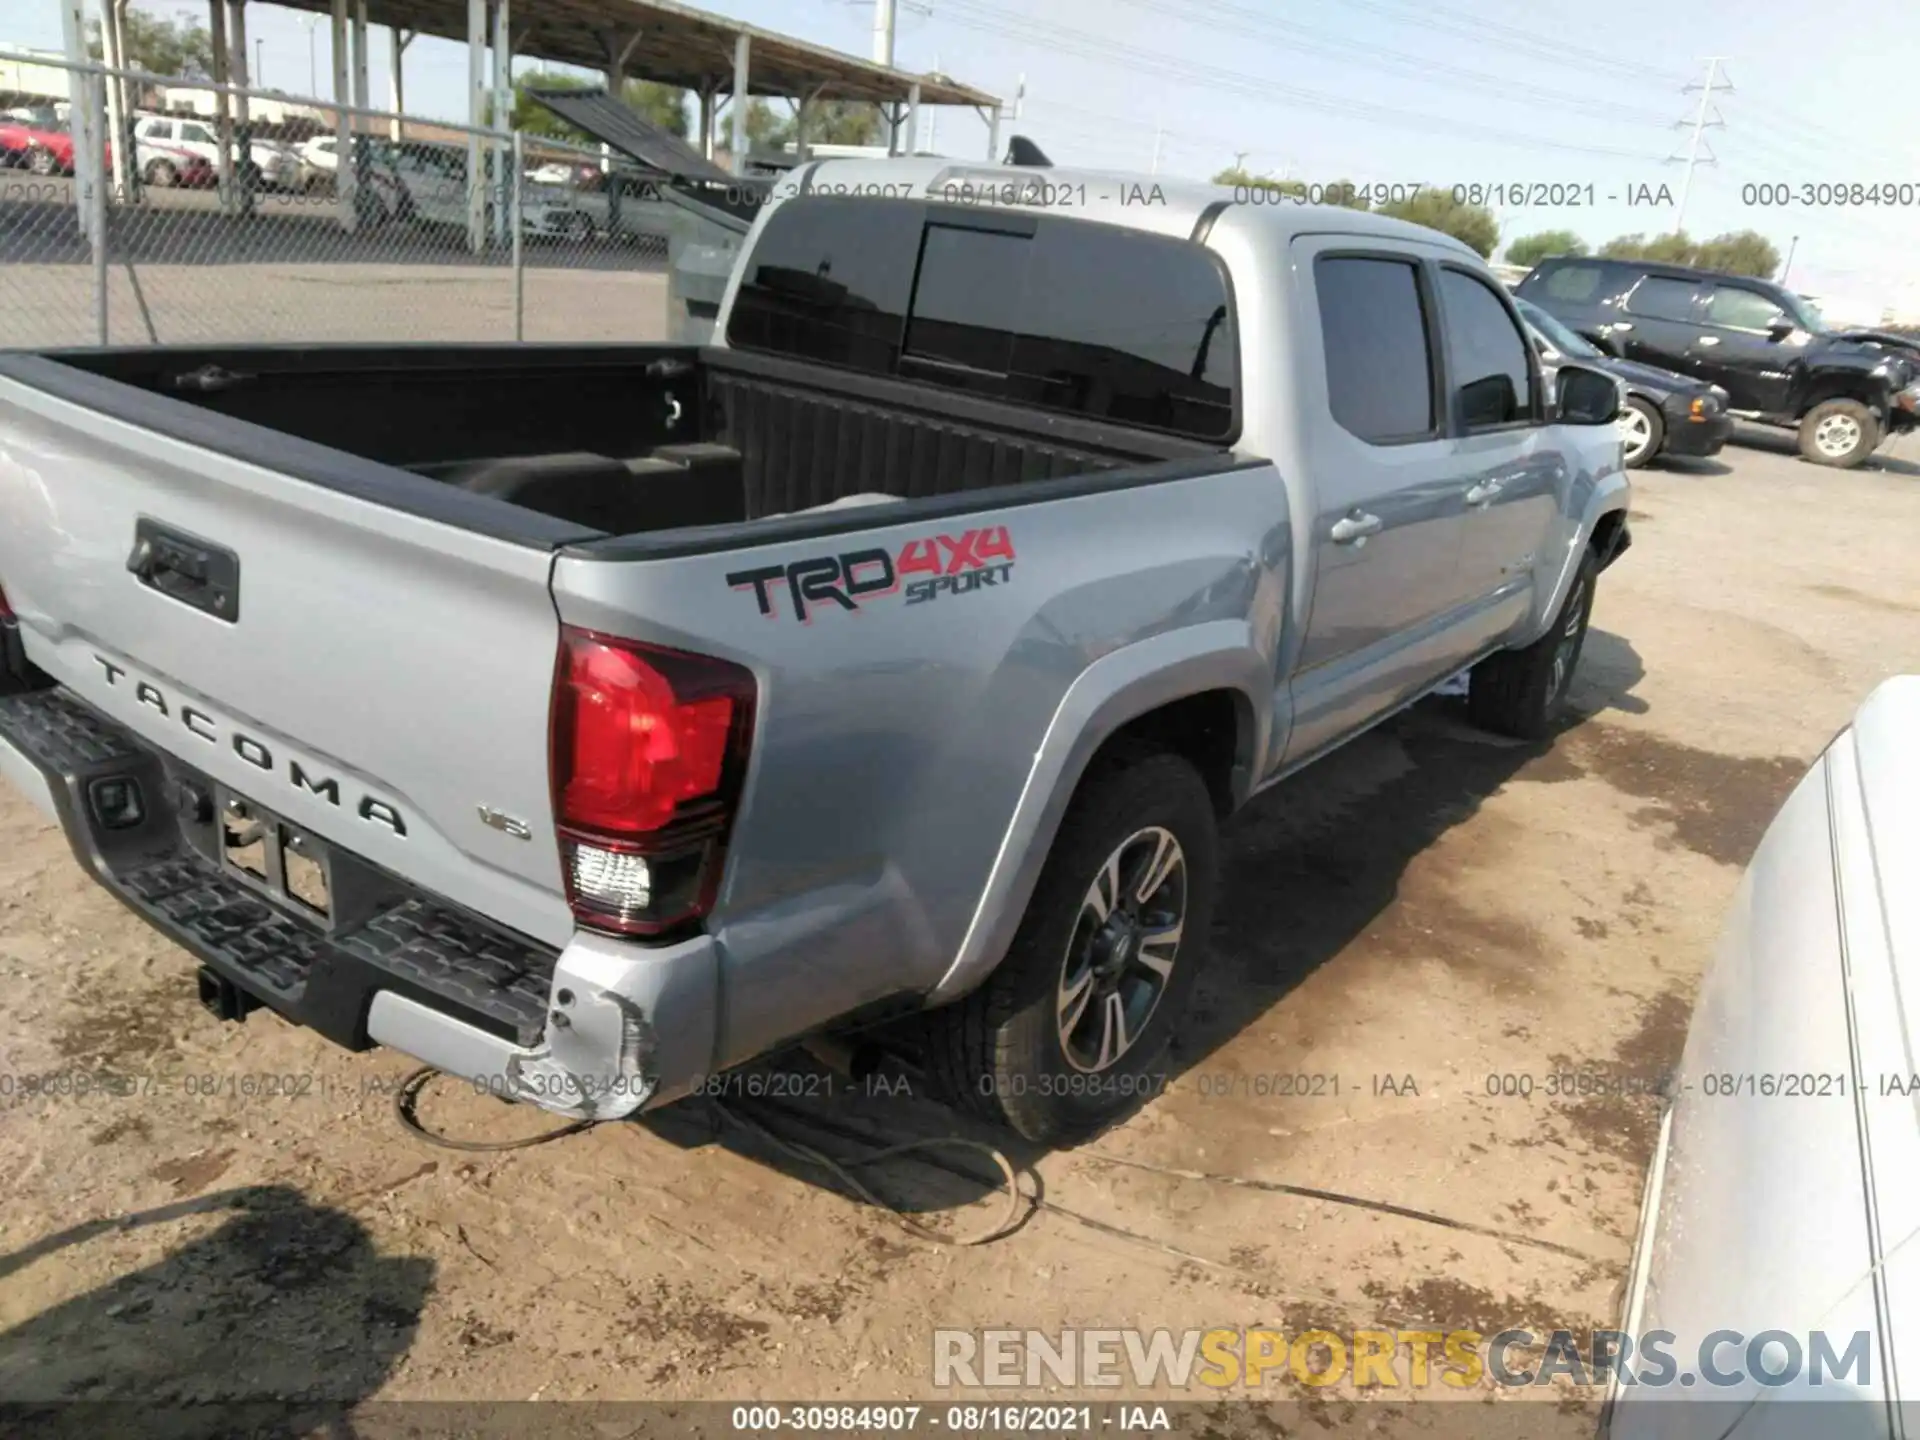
<point x="1841" y="387"/>
<point x="1607" y="533"/>
<point x="1209" y="730"/>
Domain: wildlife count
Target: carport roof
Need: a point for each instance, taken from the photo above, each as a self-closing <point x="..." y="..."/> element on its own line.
<point x="673" y="44"/>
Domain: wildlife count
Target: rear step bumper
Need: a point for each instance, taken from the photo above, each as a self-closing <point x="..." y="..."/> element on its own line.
<point x="596" y="1030"/>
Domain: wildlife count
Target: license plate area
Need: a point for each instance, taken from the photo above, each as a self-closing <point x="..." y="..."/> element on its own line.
<point x="264" y="851"/>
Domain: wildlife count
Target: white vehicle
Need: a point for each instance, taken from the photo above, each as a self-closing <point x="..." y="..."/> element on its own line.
<point x="428" y="183"/>
<point x="279" y="167"/>
<point x="1782" y="1193"/>
<point x="320" y="158"/>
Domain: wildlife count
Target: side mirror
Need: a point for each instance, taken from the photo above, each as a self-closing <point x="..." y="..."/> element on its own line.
<point x="1585" y="397"/>
<point x="1780" y="329"/>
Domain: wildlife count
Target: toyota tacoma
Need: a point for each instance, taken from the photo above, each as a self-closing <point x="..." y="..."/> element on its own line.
<point x="590" y="719"/>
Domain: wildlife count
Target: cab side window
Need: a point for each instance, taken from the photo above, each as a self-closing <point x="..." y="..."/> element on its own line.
<point x="1487" y="363"/>
<point x="1738" y="308"/>
<point x="1376" y="336"/>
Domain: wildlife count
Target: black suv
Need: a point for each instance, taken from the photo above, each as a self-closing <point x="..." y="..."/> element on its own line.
<point x="1778" y="361"/>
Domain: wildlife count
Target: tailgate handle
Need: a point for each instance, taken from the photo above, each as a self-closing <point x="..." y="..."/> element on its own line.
<point x="185" y="568"/>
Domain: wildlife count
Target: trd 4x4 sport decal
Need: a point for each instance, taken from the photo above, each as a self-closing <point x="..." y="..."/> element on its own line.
<point x="954" y="565"/>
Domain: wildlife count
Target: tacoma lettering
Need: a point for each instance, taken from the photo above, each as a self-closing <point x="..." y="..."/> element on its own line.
<point x="370" y="808"/>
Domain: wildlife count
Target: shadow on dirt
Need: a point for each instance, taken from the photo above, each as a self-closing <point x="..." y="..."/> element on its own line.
<point x="1308" y="868"/>
<point x="275" y="1318"/>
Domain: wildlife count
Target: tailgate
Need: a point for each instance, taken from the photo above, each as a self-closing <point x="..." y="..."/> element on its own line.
<point x="376" y="676"/>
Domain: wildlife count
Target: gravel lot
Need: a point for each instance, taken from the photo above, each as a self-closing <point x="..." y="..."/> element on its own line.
<point x="1430" y="905"/>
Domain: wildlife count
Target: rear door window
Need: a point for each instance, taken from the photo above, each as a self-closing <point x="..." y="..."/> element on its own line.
<point x="1067" y="315"/>
<point x="1376" y="337"/>
<point x="1659" y="298"/>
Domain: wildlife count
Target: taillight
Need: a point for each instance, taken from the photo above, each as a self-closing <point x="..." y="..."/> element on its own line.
<point x="649" y="749"/>
<point x="6" y="610"/>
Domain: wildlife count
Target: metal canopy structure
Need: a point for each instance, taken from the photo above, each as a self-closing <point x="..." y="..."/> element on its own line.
<point x="658" y="40"/>
<point x="674" y="44"/>
<point x="614" y="123"/>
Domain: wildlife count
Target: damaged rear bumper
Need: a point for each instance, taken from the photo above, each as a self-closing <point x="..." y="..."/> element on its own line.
<point x="596" y="1030"/>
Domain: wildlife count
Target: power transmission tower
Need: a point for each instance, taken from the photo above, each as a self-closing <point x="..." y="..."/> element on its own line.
<point x="1700" y="125"/>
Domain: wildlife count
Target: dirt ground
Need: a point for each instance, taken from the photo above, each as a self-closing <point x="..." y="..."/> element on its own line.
<point x="1426" y="912"/>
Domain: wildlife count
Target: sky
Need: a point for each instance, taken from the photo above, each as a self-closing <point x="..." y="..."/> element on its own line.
<point x="1550" y="100"/>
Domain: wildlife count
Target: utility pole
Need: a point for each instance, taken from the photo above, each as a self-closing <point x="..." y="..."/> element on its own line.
<point x="1159" y="133"/>
<point x="1787" y="269"/>
<point x="260" y="63"/>
<point x="883" y="55"/>
<point x="1700" y="124"/>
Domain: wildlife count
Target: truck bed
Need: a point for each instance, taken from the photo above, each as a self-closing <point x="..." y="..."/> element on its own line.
<point x="608" y="440"/>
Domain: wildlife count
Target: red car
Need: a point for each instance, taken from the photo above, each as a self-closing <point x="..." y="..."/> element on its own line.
<point x="45" y="149"/>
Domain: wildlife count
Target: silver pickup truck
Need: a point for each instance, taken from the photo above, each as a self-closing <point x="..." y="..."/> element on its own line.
<point x="587" y="720"/>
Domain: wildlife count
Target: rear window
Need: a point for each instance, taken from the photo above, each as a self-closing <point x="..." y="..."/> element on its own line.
<point x="1065" y="315"/>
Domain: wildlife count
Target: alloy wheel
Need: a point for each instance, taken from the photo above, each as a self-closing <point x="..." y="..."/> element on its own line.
<point x="1569" y="642"/>
<point x="1636" y="434"/>
<point x="1125" y="941"/>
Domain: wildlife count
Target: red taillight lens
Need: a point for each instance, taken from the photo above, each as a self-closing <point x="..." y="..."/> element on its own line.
<point x="6" y="610"/>
<point x="637" y="749"/>
<point x="649" y="749"/>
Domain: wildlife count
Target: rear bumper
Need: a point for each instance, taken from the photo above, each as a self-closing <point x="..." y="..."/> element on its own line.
<point x="596" y="1030"/>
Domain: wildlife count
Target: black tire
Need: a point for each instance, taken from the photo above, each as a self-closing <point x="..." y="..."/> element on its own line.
<point x="579" y="229"/>
<point x="41" y="161"/>
<point x="162" y="176"/>
<point x="1003" y="1051"/>
<point x="1656" y="432"/>
<point x="1521" y="692"/>
<point x="1831" y="421"/>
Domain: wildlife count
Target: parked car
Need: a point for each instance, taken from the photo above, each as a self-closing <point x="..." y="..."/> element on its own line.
<point x="38" y="143"/>
<point x="1780" y="1198"/>
<point x="677" y="752"/>
<point x="319" y="161"/>
<point x="1661" y="413"/>
<point x="1778" y="360"/>
<point x="164" y="165"/>
<point x="45" y="146"/>
<point x="277" y="163"/>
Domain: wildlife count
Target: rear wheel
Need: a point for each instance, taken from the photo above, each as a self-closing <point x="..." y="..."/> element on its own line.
<point x="41" y="161"/>
<point x="1841" y="433"/>
<point x="1067" y="1034"/>
<point x="1522" y="692"/>
<point x="161" y="175"/>
<point x="1642" y="432"/>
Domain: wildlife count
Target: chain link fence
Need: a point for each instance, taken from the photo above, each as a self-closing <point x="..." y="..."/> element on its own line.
<point x="124" y="220"/>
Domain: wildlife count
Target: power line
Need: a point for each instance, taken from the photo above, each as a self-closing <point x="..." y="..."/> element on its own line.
<point x="1369" y="56"/>
<point x="1485" y="32"/>
<point x="993" y="20"/>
